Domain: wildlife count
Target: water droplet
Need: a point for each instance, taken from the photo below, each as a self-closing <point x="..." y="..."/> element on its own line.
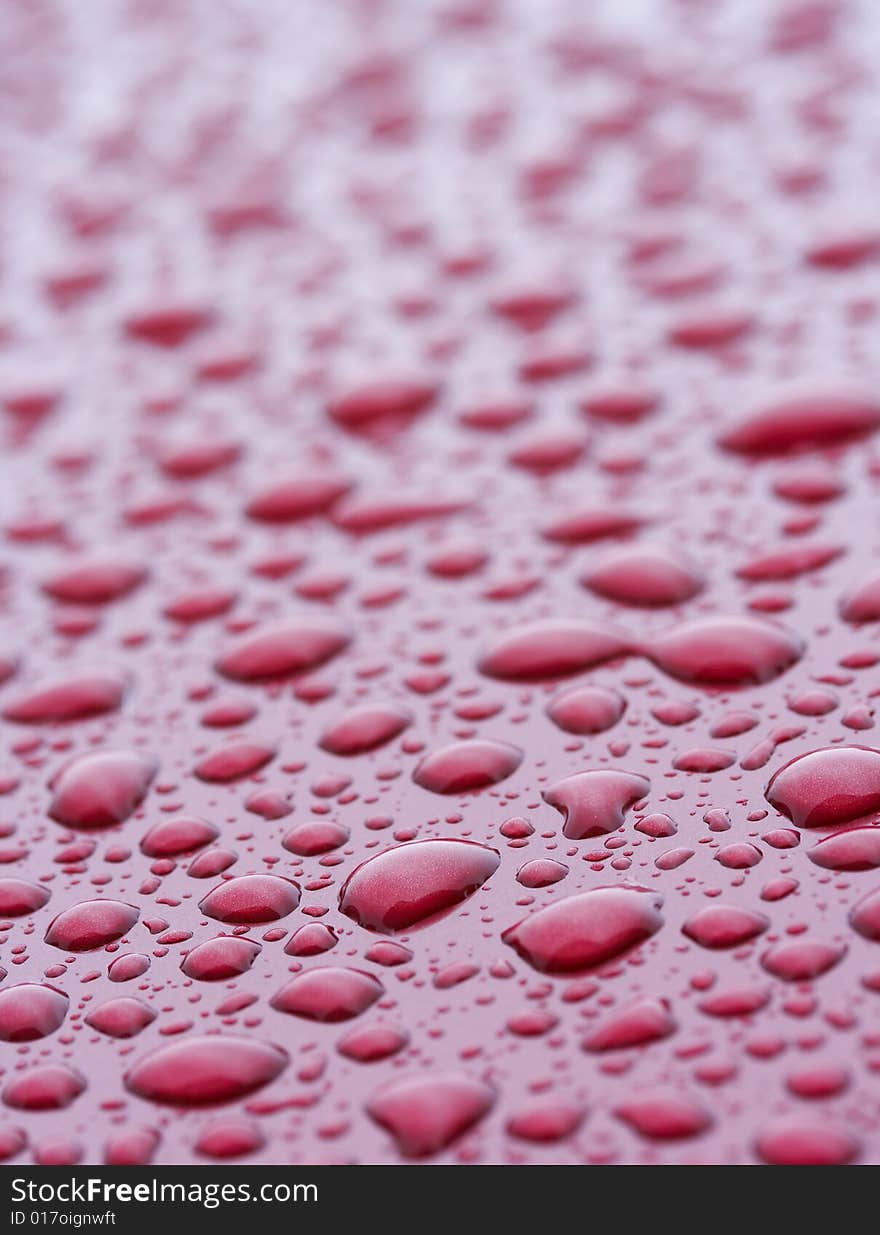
<point x="587" y="709"/>
<point x="410" y="885"/>
<point x="796" y="1140"/>
<point x="73" y="698"/>
<point x="234" y="762"/>
<point x="595" y="802"/>
<point x="299" y="497"/>
<point x="719" y="651"/>
<point x="466" y="766"/>
<point x="50" y="1087"/>
<point x="724" y="926"/>
<point x="182" y="834"/>
<point x="805" y="421"/>
<point x="584" y="931"/>
<point x="250" y="899"/>
<point x="200" y="1071"/>
<point x="282" y="651"/>
<point x="90" y="925"/>
<point x="100" y="789"/>
<point x="124" y="1017"/>
<point x="551" y="650"/>
<point x="95" y="581"/>
<point x="18" y="897"/>
<point x="664" y="1114"/>
<point x="589" y="524"/>
<point x="229" y="1138"/>
<point x="546" y="1120"/>
<point x="541" y="873"/>
<point x="863" y="603"/>
<point x="426" y="1113"/>
<point x="331" y="993"/>
<point x="825" y="788"/>
<point x="372" y="1043"/>
<point x="215" y="960"/>
<point x="29" y="1011"/>
<point x="645" y="578"/>
<point x="315" y="837"/>
<point x="365" y="728"/>
<point x="379" y="410"/>
<point x="640" y="1022"/>
<point x="801" y="960"/>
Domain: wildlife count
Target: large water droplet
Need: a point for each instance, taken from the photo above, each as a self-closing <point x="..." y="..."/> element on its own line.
<point x="645" y="578"/>
<point x="587" y="709"/>
<point x="596" y="801"/>
<point x="466" y="766"/>
<point x="551" y="649"/>
<point x="250" y="899"/>
<point x="95" y="581"/>
<point x="720" y="651"/>
<point x="413" y="883"/>
<point x="215" y="960"/>
<point x="644" y="1020"/>
<point x="30" y="1011"/>
<point x="72" y="698"/>
<point x="365" y="728"/>
<point x="282" y="651"/>
<point x="804" y="421"/>
<point x="100" y="789"/>
<point x="332" y="993"/>
<point x="90" y="925"/>
<point x="724" y="926"/>
<point x="426" y="1113"/>
<point x="584" y="931"/>
<point x="51" y="1087"/>
<point x="201" y="1071"/>
<point x="824" y="788"/>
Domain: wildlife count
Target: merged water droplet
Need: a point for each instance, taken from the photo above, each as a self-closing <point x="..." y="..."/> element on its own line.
<point x="595" y="802"/>
<point x="551" y="649"/>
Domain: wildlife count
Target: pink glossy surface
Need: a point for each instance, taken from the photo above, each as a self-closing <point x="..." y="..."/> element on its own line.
<point x="407" y="408"/>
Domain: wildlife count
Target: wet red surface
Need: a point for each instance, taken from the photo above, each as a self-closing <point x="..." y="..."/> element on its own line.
<point x="439" y="582"/>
